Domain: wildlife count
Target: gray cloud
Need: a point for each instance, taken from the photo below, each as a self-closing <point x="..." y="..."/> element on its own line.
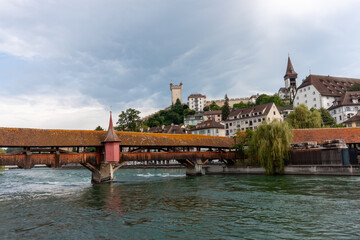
<point x="125" y="53"/>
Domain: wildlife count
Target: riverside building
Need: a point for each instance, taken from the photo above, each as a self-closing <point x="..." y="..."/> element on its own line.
<point x="251" y="117"/>
<point x="345" y="107"/>
<point x="318" y="91"/>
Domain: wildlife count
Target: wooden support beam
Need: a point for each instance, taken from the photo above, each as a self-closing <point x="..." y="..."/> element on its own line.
<point x="91" y="166"/>
<point x="120" y="165"/>
<point x="191" y="163"/>
<point x="57" y="158"/>
<point x="205" y="162"/>
<point x="27" y="164"/>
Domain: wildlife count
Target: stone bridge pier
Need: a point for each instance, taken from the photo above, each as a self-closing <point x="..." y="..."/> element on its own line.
<point x="195" y="170"/>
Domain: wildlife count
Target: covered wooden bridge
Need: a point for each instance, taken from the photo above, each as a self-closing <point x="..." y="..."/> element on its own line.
<point x="113" y="149"/>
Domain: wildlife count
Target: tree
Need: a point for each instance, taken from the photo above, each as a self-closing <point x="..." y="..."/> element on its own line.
<point x="270" y="146"/>
<point x="188" y="112"/>
<point x="327" y="119"/>
<point x="263" y="98"/>
<point x="240" y="105"/>
<point x="242" y="140"/>
<point x="99" y="128"/>
<point x="214" y="107"/>
<point x="302" y="117"/>
<point x="206" y="108"/>
<point x="225" y="110"/>
<point x="355" y="87"/>
<point x="174" y="115"/>
<point x="128" y="120"/>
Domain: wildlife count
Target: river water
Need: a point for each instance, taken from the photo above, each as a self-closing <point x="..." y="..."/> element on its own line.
<point x="165" y="204"/>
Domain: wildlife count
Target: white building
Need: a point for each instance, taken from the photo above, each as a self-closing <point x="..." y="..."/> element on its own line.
<point x="253" y="98"/>
<point x="318" y="91"/>
<point x="345" y="107"/>
<point x="193" y="120"/>
<point x="210" y="128"/>
<point x="251" y="117"/>
<point x="216" y="115"/>
<point x="197" y="102"/>
<point x="284" y="111"/>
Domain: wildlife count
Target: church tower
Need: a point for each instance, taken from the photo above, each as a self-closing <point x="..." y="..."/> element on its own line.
<point x="290" y="79"/>
<point x="175" y="92"/>
<point x="290" y="76"/>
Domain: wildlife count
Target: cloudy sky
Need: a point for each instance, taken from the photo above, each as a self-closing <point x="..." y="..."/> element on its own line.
<point x="65" y="64"/>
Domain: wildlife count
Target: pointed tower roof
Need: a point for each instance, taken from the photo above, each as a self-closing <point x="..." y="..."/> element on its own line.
<point x="111" y="135"/>
<point x="290" y="72"/>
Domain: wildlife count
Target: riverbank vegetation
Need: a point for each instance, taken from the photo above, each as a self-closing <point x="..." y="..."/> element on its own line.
<point x="2" y="151"/>
<point x="268" y="146"/>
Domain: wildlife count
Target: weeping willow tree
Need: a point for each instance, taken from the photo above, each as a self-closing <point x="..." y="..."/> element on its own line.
<point x="270" y="145"/>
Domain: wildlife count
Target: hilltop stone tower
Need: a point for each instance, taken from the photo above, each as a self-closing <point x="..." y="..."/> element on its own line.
<point x="175" y="92"/>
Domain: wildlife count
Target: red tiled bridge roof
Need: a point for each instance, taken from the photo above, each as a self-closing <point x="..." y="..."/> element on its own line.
<point x="25" y="137"/>
<point x="350" y="135"/>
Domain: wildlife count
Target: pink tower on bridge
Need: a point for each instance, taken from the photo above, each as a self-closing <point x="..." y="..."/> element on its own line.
<point x="112" y="143"/>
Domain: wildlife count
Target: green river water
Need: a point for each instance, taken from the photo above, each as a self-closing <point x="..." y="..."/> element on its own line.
<point x="165" y="204"/>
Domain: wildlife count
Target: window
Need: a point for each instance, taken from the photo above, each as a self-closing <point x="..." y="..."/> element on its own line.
<point x="259" y="120"/>
<point x="305" y="95"/>
<point x="356" y="108"/>
<point x="304" y="89"/>
<point x="227" y="126"/>
<point x="314" y="99"/>
<point x="300" y="90"/>
<point x="358" y="124"/>
<point x="274" y="113"/>
<point x="349" y="125"/>
<point x="208" y="131"/>
<point x="313" y="92"/>
<point x="348" y="109"/>
<point x="340" y="117"/>
<point x="314" y="105"/>
<point x="308" y="88"/>
<point x="217" y="130"/>
<point x="305" y="101"/>
<point x="328" y="104"/>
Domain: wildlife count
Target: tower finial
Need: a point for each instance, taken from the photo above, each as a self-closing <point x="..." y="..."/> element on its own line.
<point x="111" y="135"/>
